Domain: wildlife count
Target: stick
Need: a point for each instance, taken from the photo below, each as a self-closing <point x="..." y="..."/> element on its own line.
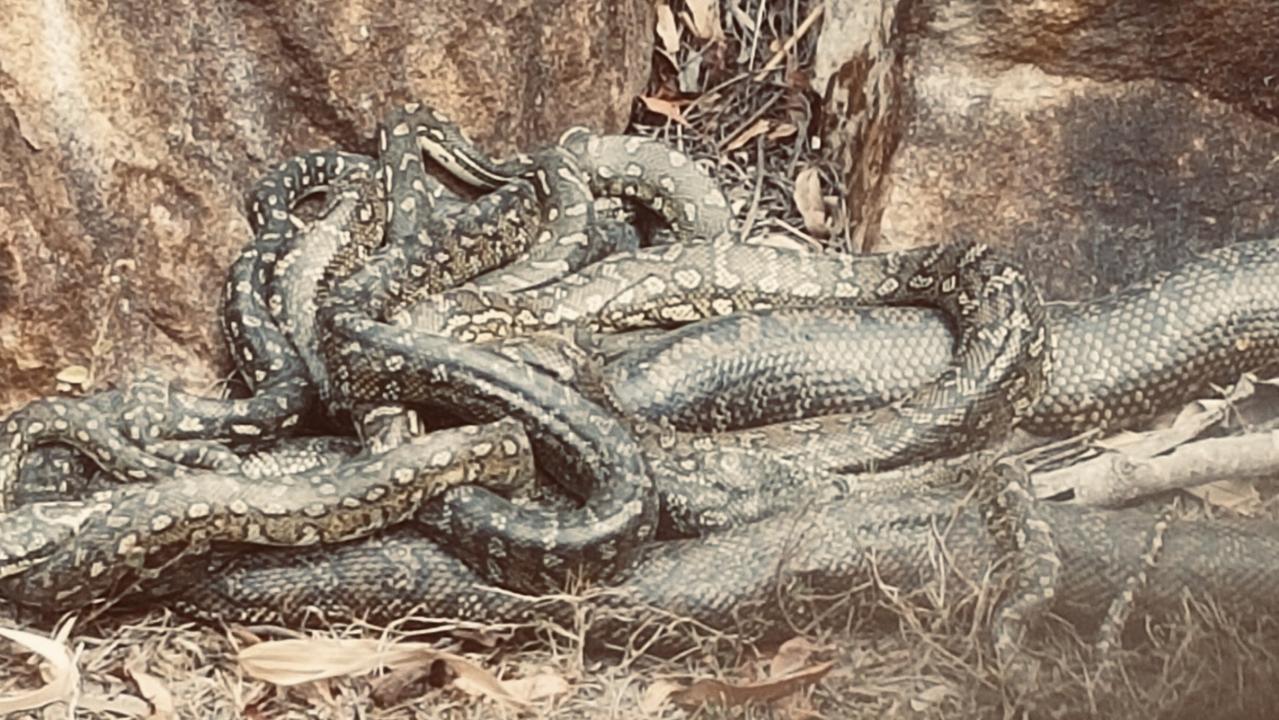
<point x="1116" y="477"/>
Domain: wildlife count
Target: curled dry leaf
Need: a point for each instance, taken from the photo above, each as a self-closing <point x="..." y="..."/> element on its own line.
<point x="703" y="19"/>
<point x="291" y="662"/>
<point x="1188" y="424"/>
<point x="665" y="108"/>
<point x="64" y="677"/>
<point x="667" y="30"/>
<point x="1238" y="496"/>
<point x="757" y="128"/>
<point x="153" y="689"/>
<point x="809" y="201"/>
<point x="722" y="692"/>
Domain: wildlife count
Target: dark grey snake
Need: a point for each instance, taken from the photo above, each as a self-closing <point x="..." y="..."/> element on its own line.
<point x="1116" y="361"/>
<point x="706" y="481"/>
<point x="734" y="581"/>
<point x="124" y="430"/>
<point x="264" y="353"/>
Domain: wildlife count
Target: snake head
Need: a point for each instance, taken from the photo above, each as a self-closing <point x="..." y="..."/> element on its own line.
<point x="33" y="533"/>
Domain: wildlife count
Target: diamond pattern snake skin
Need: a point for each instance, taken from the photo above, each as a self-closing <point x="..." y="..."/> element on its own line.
<point x="758" y="470"/>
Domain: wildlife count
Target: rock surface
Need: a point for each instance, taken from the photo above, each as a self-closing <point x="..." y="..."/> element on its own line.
<point x="1099" y="140"/>
<point x="130" y="131"/>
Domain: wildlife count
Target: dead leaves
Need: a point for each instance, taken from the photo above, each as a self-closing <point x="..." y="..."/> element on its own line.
<point x="789" y="674"/>
<point x="701" y="17"/>
<point x="312" y="660"/>
<point x="1238" y="496"/>
<point x="305" y="664"/>
<point x="64" y="684"/>
<point x="810" y="202"/>
<point x="61" y="676"/>
<point x="669" y="109"/>
<point x="302" y="663"/>
<point x="1188" y="453"/>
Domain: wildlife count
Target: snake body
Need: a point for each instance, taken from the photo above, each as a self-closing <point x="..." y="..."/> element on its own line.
<point x="733" y="581"/>
<point x="1116" y="360"/>
<point x="393" y="327"/>
<point x="575" y="440"/>
<point x="126" y="537"/>
<point x="727" y="478"/>
<point x="145" y="420"/>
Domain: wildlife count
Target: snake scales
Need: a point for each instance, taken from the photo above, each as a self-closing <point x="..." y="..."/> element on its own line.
<point x="1117" y="360"/>
<point x="734" y="581"/>
<point x="991" y="379"/>
<point x="502" y="214"/>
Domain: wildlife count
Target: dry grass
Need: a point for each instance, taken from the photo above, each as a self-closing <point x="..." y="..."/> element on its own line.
<point x="917" y="657"/>
<point x="910" y="657"/>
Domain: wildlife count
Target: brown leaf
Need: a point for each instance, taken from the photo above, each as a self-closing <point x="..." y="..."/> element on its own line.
<point x="153" y="690"/>
<point x="757" y="128"/>
<point x="665" y="108"/>
<point x="722" y="692"/>
<point x="792" y="656"/>
<point x="1239" y="496"/>
<point x="64" y="677"/>
<point x="809" y="201"/>
<point x="703" y="19"/>
<point x="667" y="30"/>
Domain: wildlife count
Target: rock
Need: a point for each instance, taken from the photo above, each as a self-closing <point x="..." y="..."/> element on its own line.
<point x="1225" y="49"/>
<point x="130" y="133"/>
<point x="859" y="62"/>
<point x="1099" y="141"/>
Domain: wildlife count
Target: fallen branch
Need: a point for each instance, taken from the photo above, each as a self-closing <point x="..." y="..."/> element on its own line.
<point x="1116" y="477"/>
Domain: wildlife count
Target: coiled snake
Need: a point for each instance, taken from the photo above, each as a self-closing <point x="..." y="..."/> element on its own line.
<point x="706" y="481"/>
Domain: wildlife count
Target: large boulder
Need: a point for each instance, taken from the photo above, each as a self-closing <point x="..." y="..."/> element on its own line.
<point x="130" y="131"/>
<point x="1099" y="140"/>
